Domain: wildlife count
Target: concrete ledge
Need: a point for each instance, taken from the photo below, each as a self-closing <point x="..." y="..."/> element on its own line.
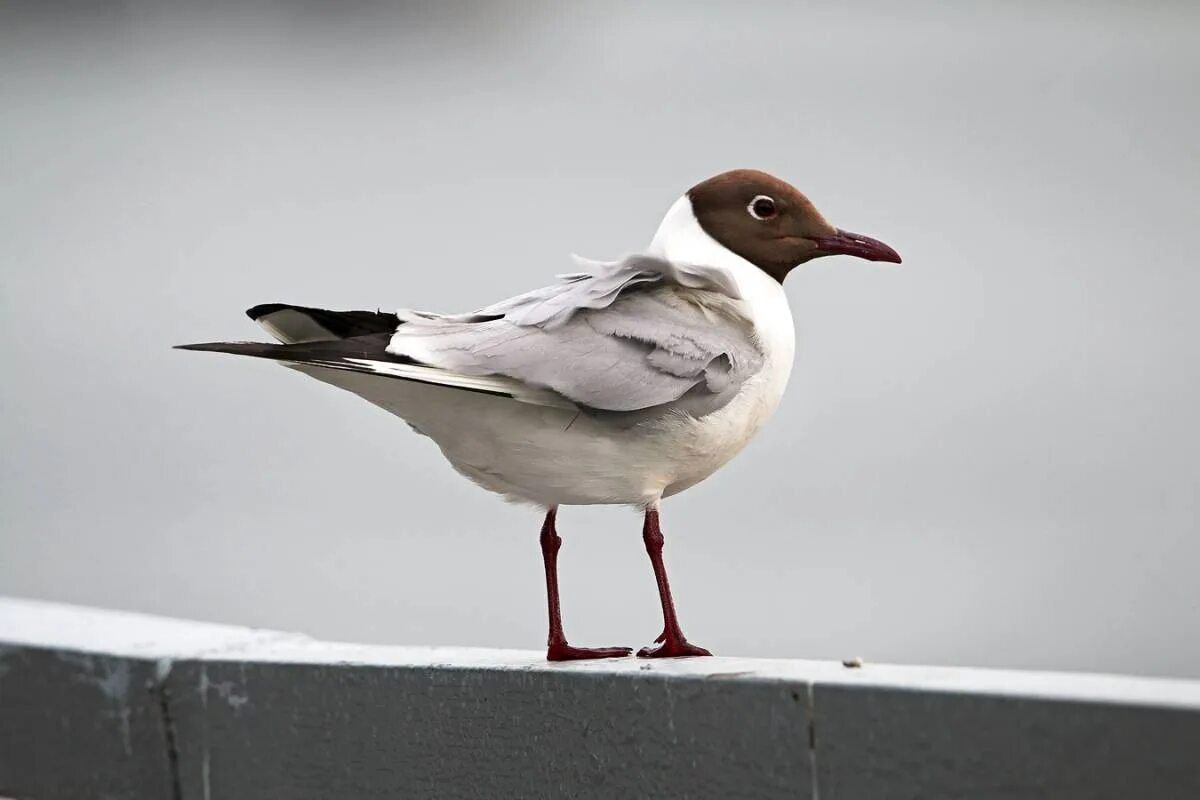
<point x="108" y="704"/>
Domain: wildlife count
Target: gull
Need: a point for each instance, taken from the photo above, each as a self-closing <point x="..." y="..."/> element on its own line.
<point x="624" y="383"/>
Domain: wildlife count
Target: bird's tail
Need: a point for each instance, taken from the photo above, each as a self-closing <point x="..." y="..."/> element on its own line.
<point x="368" y="356"/>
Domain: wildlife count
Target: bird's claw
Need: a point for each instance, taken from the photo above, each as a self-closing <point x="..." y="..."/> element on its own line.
<point x="561" y="651"/>
<point x="672" y="648"/>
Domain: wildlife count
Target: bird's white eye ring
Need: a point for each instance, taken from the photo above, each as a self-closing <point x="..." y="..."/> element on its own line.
<point x="762" y="207"/>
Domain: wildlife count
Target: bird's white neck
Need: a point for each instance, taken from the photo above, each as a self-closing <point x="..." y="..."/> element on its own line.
<point x="681" y="239"/>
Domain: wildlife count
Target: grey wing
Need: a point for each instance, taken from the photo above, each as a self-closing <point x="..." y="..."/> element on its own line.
<point x="643" y="347"/>
<point x="597" y="286"/>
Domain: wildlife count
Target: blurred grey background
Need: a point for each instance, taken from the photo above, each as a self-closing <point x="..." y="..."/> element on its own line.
<point x="987" y="456"/>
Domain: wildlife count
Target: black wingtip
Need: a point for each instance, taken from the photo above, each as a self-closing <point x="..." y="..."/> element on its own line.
<point x="263" y="309"/>
<point x="339" y="324"/>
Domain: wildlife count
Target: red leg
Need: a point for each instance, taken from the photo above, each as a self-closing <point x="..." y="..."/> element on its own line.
<point x="673" y="642"/>
<point x="558" y="649"/>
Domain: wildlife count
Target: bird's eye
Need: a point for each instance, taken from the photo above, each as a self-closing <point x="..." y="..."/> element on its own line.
<point x="762" y="207"/>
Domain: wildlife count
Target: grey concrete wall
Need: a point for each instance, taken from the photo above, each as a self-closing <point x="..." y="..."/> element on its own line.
<point x="114" y="705"/>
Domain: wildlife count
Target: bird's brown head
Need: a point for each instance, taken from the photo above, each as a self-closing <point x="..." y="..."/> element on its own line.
<point x="772" y="225"/>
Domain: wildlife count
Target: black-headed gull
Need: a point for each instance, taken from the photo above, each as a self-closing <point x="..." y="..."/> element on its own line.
<point x="623" y="383"/>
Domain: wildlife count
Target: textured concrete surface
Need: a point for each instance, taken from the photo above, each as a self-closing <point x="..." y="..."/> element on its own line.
<point x="895" y="742"/>
<point x="366" y="731"/>
<point x="114" y="705"/>
<point x="80" y="725"/>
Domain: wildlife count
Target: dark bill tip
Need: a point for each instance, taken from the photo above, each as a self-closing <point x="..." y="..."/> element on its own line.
<point x="845" y="243"/>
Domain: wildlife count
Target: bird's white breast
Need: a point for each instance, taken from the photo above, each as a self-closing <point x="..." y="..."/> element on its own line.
<point x="707" y="443"/>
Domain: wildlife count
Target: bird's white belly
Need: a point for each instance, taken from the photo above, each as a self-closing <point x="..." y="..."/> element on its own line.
<point x="589" y="462"/>
<point x="552" y="456"/>
<point x="555" y="456"/>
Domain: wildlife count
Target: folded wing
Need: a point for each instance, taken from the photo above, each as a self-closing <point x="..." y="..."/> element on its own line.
<point x="629" y="336"/>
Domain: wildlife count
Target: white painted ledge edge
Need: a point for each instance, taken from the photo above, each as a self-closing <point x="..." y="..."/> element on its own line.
<point x="32" y="623"/>
<point x="100" y="703"/>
